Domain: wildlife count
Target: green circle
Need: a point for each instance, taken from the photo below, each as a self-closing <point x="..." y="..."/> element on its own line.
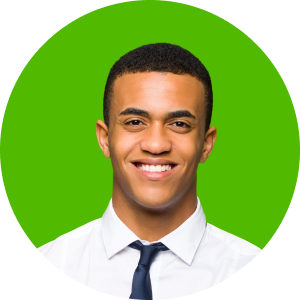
<point x="56" y="177"/>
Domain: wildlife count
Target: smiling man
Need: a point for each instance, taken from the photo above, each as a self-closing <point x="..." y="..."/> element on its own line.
<point x="153" y="241"/>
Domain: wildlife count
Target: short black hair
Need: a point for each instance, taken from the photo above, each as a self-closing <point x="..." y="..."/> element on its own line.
<point x="160" y="57"/>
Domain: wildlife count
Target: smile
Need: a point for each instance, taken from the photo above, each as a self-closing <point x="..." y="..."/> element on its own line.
<point x="154" y="170"/>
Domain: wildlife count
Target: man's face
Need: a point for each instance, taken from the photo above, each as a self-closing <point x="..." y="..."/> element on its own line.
<point x="156" y="136"/>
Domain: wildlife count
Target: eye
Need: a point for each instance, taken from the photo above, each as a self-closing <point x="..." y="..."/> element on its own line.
<point x="134" y="123"/>
<point x="180" y="124"/>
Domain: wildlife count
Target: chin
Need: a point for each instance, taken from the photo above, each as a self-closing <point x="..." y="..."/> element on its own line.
<point x="153" y="201"/>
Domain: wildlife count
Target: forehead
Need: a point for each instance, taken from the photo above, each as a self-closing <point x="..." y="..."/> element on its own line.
<point x="158" y="92"/>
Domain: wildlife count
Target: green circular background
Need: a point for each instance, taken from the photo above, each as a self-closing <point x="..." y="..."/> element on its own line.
<point x="54" y="172"/>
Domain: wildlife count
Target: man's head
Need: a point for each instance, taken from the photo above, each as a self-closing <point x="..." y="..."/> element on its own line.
<point x="157" y="106"/>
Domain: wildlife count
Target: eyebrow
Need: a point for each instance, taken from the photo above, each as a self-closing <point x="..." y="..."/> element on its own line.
<point x="173" y="114"/>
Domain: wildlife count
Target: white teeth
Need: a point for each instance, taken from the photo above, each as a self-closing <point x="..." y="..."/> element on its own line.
<point x="158" y="168"/>
<point x="153" y="168"/>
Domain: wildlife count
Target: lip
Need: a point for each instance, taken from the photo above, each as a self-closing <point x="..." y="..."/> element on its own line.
<point x="154" y="161"/>
<point x="154" y="175"/>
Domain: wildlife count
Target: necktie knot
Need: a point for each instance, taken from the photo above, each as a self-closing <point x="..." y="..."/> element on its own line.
<point x="138" y="245"/>
<point x="148" y="252"/>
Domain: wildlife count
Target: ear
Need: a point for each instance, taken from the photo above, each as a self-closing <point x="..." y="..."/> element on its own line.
<point x="209" y="141"/>
<point x="102" y="136"/>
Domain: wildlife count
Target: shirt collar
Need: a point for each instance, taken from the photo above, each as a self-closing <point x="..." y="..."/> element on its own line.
<point x="183" y="241"/>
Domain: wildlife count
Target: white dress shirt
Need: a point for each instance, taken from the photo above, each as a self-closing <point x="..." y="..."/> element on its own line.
<point x="200" y="256"/>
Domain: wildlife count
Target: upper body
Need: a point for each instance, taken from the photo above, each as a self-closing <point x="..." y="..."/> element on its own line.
<point x="201" y="255"/>
<point x="156" y="132"/>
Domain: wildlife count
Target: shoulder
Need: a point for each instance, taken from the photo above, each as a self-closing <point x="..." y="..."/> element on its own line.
<point x="56" y="249"/>
<point x="235" y="243"/>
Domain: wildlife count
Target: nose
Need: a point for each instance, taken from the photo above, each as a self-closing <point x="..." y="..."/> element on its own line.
<point x="156" y="140"/>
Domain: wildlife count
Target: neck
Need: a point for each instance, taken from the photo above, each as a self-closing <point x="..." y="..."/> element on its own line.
<point x="152" y="222"/>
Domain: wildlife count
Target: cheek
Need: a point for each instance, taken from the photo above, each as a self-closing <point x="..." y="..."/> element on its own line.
<point x="189" y="148"/>
<point x="121" y="145"/>
<point x="193" y="154"/>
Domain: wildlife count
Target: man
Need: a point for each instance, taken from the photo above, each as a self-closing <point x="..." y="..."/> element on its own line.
<point x="153" y="241"/>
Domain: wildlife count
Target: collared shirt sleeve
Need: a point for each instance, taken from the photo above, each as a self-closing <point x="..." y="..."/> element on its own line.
<point x="54" y="251"/>
<point x="246" y="257"/>
<point x="231" y="251"/>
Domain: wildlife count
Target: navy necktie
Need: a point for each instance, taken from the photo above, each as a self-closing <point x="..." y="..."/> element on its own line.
<point x="141" y="283"/>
